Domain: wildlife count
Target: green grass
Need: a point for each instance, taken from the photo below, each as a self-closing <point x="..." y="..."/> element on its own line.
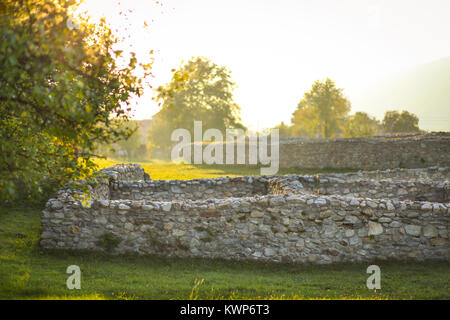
<point x="162" y="170"/>
<point x="28" y="272"/>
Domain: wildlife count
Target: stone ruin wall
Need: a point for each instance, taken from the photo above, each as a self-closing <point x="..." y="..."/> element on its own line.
<point x="298" y="218"/>
<point x="416" y="151"/>
<point x="380" y="152"/>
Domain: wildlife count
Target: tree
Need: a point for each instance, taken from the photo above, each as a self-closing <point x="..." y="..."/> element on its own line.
<point x="284" y="130"/>
<point x="360" y="124"/>
<point x="305" y="122"/>
<point x="199" y="91"/>
<point x="133" y="144"/>
<point x="61" y="92"/>
<point x="129" y="147"/>
<point x="404" y="122"/>
<point x="321" y="111"/>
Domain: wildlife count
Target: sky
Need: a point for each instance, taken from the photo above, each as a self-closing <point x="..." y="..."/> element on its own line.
<point x="275" y="50"/>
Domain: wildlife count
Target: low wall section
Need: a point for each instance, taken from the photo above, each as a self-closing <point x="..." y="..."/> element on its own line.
<point x="367" y="153"/>
<point x="264" y="218"/>
<point x="383" y="152"/>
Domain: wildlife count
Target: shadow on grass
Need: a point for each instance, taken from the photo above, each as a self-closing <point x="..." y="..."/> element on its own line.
<point x="210" y="264"/>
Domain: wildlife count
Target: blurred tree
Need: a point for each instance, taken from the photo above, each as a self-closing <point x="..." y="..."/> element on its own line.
<point x="61" y="92"/>
<point x="284" y="130"/>
<point x="132" y="145"/>
<point x="305" y="122"/>
<point x="199" y="91"/>
<point x="321" y="112"/>
<point x="360" y="124"/>
<point x="404" y="122"/>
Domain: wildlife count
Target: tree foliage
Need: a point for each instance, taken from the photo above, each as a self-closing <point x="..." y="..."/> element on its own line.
<point x="322" y="110"/>
<point x="360" y="124"/>
<point x="284" y="129"/>
<point x="130" y="147"/>
<point x="61" y="91"/>
<point x="199" y="90"/>
<point x="404" y="122"/>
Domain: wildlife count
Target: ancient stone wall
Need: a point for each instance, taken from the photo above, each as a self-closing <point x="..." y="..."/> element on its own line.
<point x="418" y="174"/>
<point x="381" y="189"/>
<point x="382" y="152"/>
<point x="296" y="218"/>
<point x="367" y="153"/>
<point x="192" y="189"/>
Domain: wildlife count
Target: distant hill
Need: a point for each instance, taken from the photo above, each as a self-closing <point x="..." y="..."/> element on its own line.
<point x="423" y="90"/>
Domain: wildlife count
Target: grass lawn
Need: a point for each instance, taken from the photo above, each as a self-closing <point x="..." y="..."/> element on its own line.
<point x="161" y="170"/>
<point x="27" y="272"/>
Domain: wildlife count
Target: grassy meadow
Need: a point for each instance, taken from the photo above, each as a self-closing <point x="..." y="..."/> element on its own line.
<point x="28" y="272"/>
<point x="164" y="170"/>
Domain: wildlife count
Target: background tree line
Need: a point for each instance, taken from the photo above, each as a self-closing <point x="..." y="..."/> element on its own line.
<point x="323" y="112"/>
<point x="202" y="90"/>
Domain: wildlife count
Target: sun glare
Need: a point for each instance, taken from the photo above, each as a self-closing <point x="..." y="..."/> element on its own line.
<point x="276" y="50"/>
<point x="130" y="23"/>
